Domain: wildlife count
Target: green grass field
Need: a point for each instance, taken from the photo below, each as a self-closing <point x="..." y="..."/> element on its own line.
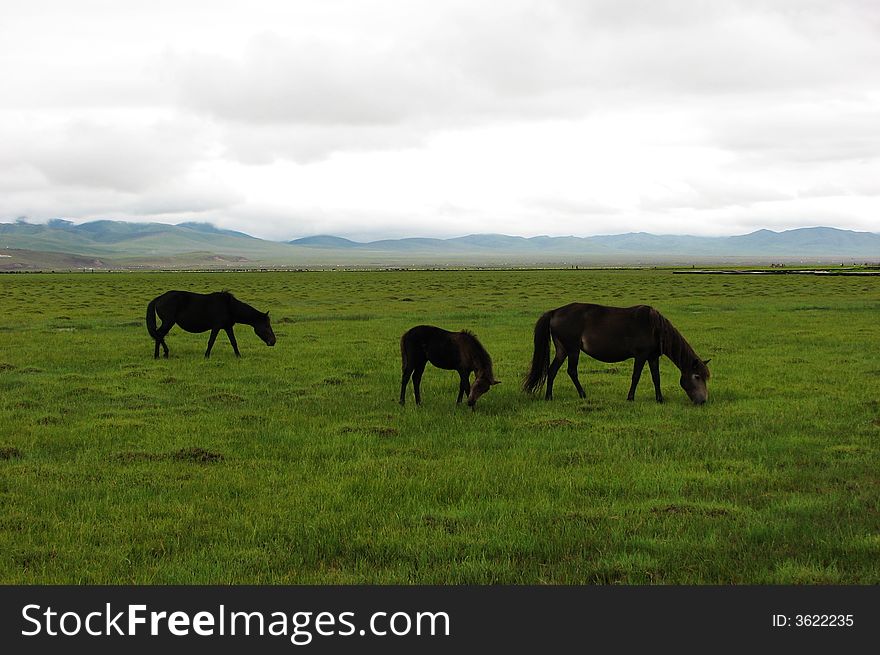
<point x="295" y="464"/>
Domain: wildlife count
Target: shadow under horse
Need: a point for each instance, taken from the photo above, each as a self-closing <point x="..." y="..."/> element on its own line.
<point x="456" y="351"/>
<point x="614" y="334"/>
<point x="200" y="312"/>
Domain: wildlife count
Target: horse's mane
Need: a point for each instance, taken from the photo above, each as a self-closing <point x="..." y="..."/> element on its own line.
<point x="477" y="351"/>
<point x="232" y="300"/>
<point x="244" y="310"/>
<point x="675" y="346"/>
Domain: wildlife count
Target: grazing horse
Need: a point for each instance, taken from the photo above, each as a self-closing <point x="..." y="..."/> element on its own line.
<point x="457" y="351"/>
<point x="613" y="334"/>
<point x="200" y="312"/>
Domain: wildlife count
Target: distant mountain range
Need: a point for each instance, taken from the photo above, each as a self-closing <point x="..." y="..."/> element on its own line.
<point x="61" y="244"/>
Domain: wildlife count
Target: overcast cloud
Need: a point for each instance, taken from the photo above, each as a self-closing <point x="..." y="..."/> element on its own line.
<point x="373" y="119"/>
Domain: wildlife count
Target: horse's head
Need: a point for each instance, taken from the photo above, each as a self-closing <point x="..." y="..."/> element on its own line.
<point x="480" y="386"/>
<point x="693" y="381"/>
<point x="264" y="329"/>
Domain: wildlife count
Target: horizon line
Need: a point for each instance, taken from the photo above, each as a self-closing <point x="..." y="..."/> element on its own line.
<point x="212" y="225"/>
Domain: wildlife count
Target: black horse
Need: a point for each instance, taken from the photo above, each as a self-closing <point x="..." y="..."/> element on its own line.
<point x="613" y="334"/>
<point x="200" y="312"/>
<point x="457" y="351"/>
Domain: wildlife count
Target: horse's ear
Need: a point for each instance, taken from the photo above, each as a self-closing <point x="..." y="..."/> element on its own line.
<point x="706" y="361"/>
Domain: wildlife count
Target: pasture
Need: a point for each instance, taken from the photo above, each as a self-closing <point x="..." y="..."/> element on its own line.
<point x="295" y="464"/>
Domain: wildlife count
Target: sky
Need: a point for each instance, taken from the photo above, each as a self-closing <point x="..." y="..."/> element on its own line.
<point x="371" y="119"/>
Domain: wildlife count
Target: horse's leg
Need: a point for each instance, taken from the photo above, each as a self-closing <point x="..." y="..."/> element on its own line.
<point x="417" y="380"/>
<point x="638" y="365"/>
<point x="407" y="374"/>
<point x="654" y="365"/>
<point x="211" y="340"/>
<point x="156" y="351"/>
<point x="573" y="371"/>
<point x="553" y="369"/>
<point x="232" y="340"/>
<point x="163" y="330"/>
<point x="464" y="385"/>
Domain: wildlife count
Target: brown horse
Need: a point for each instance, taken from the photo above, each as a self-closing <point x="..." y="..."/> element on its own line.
<point x="457" y="351"/>
<point x="614" y="334"/>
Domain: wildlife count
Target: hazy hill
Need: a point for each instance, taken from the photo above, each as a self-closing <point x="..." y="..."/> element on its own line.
<point x="115" y="244"/>
<point x="816" y="243"/>
<point x="211" y="229"/>
<point x="324" y="241"/>
<point x="124" y="239"/>
<point x="807" y="240"/>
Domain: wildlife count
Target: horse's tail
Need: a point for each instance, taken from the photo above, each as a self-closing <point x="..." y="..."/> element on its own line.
<point x="537" y="374"/>
<point x="151" y="319"/>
